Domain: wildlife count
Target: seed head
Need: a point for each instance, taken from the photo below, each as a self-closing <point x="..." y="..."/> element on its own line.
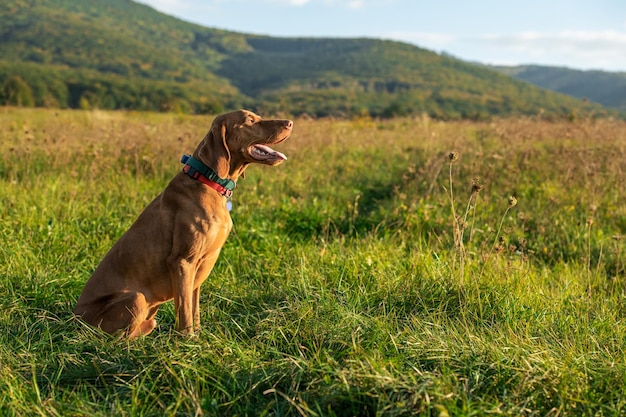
<point x="512" y="201"/>
<point x="453" y="157"/>
<point x="476" y="186"/>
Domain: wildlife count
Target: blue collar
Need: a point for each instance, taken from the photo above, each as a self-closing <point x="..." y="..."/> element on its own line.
<point x="198" y="167"/>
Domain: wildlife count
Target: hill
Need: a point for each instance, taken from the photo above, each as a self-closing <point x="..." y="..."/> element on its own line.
<point x="123" y="55"/>
<point x="602" y="87"/>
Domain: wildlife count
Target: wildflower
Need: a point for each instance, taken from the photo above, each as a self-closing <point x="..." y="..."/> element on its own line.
<point x="453" y="157"/>
<point x="512" y="201"/>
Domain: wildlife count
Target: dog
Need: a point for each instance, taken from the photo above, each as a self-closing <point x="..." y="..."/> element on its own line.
<point x="174" y="243"/>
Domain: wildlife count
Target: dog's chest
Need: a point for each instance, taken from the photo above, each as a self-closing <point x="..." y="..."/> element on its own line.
<point x="212" y="244"/>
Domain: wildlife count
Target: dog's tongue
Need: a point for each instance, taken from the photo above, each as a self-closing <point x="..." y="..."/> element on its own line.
<point x="265" y="153"/>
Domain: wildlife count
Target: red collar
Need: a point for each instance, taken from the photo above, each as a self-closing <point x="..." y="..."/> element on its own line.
<point x="204" y="180"/>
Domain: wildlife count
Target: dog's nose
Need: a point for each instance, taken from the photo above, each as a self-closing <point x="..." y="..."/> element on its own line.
<point x="288" y="124"/>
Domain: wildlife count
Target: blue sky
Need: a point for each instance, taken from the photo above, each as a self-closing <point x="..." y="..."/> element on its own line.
<point x="577" y="34"/>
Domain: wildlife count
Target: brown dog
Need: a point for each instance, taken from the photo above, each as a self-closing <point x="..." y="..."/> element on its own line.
<point x="171" y="248"/>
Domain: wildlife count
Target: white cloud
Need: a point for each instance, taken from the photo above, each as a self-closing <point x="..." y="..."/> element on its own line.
<point x="355" y="4"/>
<point x="575" y="39"/>
<point x="584" y="49"/>
<point x="573" y="48"/>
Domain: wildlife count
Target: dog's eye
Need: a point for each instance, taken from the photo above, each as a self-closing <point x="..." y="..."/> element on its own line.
<point x="250" y="121"/>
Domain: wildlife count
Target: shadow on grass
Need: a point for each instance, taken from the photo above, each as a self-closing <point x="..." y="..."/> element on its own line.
<point x="275" y="350"/>
<point x="367" y="212"/>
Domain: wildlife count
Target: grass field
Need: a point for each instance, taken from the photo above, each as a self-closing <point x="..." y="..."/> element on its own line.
<point x="347" y="287"/>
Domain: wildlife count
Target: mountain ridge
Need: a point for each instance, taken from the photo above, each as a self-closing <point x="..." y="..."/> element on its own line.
<point x="125" y="55"/>
<point x="602" y="87"/>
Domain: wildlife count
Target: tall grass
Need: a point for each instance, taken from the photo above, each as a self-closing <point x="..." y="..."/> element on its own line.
<point x="344" y="289"/>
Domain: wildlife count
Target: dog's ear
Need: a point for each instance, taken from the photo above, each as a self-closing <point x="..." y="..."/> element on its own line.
<point x="213" y="150"/>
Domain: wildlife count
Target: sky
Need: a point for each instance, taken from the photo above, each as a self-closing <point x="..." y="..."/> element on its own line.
<point x="578" y="34"/>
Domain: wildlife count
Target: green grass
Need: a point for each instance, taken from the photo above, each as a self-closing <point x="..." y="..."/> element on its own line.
<point x="341" y="290"/>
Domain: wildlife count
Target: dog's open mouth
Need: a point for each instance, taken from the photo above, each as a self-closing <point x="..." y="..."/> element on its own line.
<point x="264" y="153"/>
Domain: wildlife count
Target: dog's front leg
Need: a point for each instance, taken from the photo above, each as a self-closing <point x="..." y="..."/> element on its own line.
<point x="182" y="284"/>
<point x="196" y="309"/>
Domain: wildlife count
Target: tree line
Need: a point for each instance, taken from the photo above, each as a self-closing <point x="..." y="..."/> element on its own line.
<point x="28" y="86"/>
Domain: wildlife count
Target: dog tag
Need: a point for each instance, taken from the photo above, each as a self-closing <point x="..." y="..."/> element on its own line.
<point x="229" y="205"/>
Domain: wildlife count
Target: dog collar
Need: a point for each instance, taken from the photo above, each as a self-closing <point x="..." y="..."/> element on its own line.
<point x="200" y="172"/>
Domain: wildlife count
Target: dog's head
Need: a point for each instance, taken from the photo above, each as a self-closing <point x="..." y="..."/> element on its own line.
<point x="239" y="138"/>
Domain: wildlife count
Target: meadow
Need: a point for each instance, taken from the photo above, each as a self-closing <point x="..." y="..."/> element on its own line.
<point x="398" y="267"/>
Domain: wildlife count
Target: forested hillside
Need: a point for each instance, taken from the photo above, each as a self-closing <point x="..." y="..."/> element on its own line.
<point x="605" y="88"/>
<point x="111" y="54"/>
<point x="117" y="54"/>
